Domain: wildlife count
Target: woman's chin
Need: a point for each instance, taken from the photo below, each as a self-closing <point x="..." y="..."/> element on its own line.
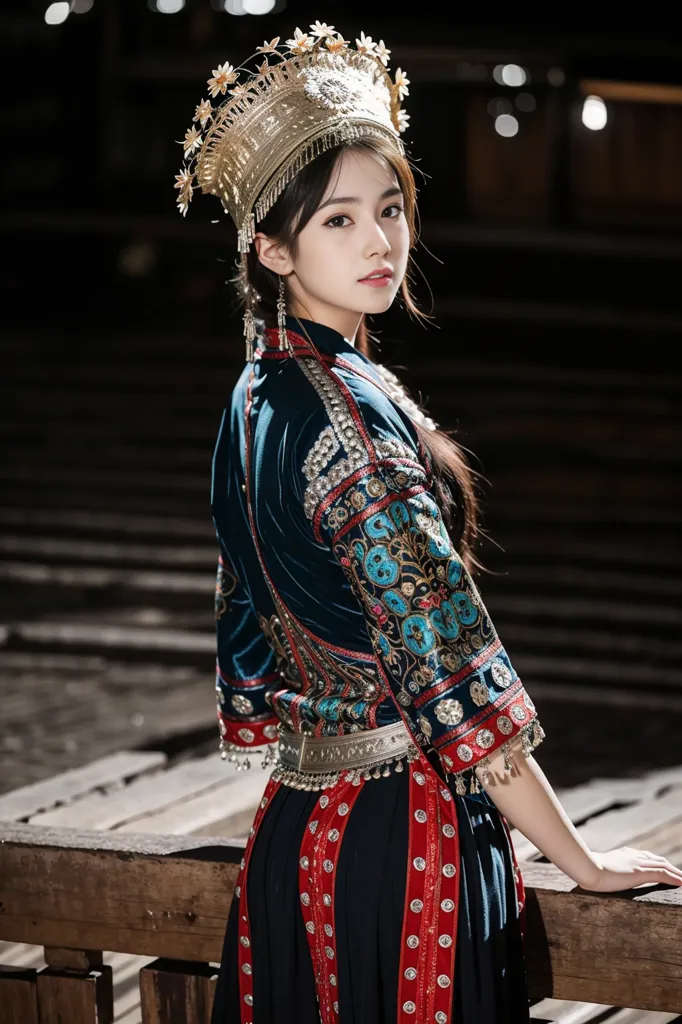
<point x="379" y="302"/>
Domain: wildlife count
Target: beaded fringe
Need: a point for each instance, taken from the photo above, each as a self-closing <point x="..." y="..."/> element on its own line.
<point x="297" y="779"/>
<point x="531" y="735"/>
<point x="333" y="137"/>
<point x="229" y="751"/>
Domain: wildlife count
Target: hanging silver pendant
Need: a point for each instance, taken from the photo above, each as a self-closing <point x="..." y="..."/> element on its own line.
<point x="284" y="343"/>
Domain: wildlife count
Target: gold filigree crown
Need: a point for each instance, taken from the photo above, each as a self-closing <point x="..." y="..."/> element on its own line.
<point x="318" y="93"/>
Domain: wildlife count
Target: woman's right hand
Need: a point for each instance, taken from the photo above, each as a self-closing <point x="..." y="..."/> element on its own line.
<point x="625" y="868"/>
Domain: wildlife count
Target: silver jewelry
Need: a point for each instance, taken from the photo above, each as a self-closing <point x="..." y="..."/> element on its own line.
<point x="249" y="332"/>
<point x="284" y="343"/>
<point x="249" y="316"/>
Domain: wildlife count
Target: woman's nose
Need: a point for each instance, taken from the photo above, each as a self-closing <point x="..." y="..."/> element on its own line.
<point x="377" y="242"/>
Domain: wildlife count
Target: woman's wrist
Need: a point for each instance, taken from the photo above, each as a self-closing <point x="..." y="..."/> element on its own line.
<point x="591" y="877"/>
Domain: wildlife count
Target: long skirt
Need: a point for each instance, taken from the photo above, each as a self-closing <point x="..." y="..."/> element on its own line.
<point x="389" y="902"/>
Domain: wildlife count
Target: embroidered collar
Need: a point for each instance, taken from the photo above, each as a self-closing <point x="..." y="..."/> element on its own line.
<point x="325" y="339"/>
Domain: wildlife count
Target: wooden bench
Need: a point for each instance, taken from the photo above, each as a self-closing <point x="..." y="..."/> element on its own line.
<point x="77" y="893"/>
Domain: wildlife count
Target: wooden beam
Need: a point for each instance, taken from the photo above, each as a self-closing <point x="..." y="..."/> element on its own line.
<point x="83" y="998"/>
<point x="177" y="990"/>
<point x="169" y="897"/>
<point x="631" y="92"/>
<point x="18" y="995"/>
<point x="82" y="960"/>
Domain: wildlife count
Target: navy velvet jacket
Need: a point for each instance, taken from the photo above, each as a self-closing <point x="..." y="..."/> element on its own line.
<point x="352" y="610"/>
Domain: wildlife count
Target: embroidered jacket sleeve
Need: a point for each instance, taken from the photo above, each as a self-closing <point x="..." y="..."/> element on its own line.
<point x="436" y="646"/>
<point x="245" y="666"/>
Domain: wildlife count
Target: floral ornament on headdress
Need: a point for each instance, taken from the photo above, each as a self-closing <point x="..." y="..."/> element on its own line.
<point x="329" y="86"/>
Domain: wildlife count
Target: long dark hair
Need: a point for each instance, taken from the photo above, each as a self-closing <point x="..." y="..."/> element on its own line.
<point x="453" y="479"/>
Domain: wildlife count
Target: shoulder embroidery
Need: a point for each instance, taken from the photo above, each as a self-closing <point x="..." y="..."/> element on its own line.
<point x="398" y="395"/>
<point x="341" y="433"/>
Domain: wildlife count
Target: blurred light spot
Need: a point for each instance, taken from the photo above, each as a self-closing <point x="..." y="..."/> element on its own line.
<point x="234" y="7"/>
<point x="137" y="259"/>
<point x="169" y="6"/>
<point x="497" y="74"/>
<point x="137" y="720"/>
<point x="555" y="76"/>
<point x="479" y="72"/>
<point x="513" y="75"/>
<point x="82" y="6"/>
<point x="499" y="105"/>
<point x="594" y="113"/>
<point x="258" y="6"/>
<point x="56" y="14"/>
<point x="525" y="101"/>
<point x="463" y="70"/>
<point x="506" y="125"/>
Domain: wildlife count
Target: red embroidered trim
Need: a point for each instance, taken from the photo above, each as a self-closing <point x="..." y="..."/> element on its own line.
<point x="319" y="854"/>
<point x="485" y="655"/>
<point x="244" y="930"/>
<point x="271" y="677"/>
<point x="429" y="932"/>
<point x="377" y="506"/>
<point x="233" y="728"/>
<point x="451" y="747"/>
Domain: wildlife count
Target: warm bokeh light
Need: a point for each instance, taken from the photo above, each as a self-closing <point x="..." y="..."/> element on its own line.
<point x="594" y="113"/>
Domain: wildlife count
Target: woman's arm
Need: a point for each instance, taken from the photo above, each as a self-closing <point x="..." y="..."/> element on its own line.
<point x="525" y="797"/>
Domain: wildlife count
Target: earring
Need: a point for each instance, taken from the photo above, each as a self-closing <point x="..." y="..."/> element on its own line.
<point x="249" y="315"/>
<point x="249" y="329"/>
<point x="284" y="343"/>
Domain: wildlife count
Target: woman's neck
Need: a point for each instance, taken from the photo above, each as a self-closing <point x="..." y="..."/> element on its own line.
<point x="344" y="322"/>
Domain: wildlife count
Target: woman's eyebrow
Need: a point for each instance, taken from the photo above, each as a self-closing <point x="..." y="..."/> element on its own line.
<point x="394" y="191"/>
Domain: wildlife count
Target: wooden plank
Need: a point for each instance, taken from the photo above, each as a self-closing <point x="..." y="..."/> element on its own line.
<point x="143" y="796"/>
<point x="18" y="996"/>
<point x="36" y="574"/>
<point x="584" y="949"/>
<point x="82" y="960"/>
<point x="172" y="990"/>
<point x="646" y="817"/>
<point x="103" y="635"/>
<point x="156" y="896"/>
<point x="169" y="897"/>
<point x="108" y="522"/>
<point x="67" y="786"/>
<point x="597" y="796"/>
<point x="83" y="999"/>
<point x="227" y="810"/>
<point x="561" y="1011"/>
<point x="623" y="827"/>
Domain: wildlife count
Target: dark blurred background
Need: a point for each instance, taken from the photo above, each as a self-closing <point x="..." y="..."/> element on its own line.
<point x="551" y="208"/>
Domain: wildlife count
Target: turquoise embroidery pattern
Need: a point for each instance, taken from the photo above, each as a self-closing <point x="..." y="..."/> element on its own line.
<point x="426" y="620"/>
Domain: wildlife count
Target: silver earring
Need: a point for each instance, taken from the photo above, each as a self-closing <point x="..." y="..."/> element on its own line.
<point x="284" y="343"/>
<point x="249" y="330"/>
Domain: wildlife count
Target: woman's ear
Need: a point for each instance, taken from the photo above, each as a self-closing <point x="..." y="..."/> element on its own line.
<point x="273" y="255"/>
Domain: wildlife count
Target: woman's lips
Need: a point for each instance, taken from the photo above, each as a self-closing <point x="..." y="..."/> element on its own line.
<point x="377" y="282"/>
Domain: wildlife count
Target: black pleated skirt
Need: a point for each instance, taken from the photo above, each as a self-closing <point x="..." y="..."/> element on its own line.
<point x="489" y="986"/>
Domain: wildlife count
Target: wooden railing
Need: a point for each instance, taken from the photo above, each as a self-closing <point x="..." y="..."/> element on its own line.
<point x="79" y="893"/>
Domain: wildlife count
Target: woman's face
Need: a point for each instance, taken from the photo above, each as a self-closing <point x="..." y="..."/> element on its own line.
<point x="358" y="229"/>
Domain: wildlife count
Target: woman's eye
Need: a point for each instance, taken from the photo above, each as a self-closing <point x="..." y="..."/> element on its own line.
<point x="339" y="216"/>
<point x="395" y="206"/>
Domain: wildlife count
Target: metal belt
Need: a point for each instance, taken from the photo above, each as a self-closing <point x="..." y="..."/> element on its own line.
<point x="356" y="751"/>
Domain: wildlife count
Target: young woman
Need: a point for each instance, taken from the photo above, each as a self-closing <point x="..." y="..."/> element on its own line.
<point x="379" y="883"/>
